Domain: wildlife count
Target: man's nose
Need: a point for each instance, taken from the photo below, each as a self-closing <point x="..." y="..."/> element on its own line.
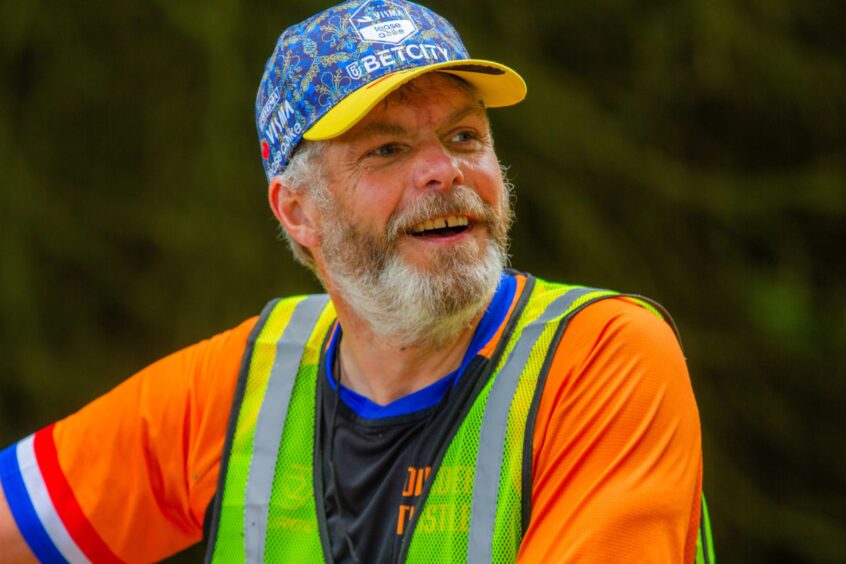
<point x="437" y="168"/>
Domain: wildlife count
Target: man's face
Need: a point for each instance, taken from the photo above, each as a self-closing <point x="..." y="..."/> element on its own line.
<point x="416" y="203"/>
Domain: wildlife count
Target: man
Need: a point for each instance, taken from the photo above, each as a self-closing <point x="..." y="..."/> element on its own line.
<point x="433" y="407"/>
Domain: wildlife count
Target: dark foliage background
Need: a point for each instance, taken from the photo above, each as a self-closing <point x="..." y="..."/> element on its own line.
<point x="692" y="151"/>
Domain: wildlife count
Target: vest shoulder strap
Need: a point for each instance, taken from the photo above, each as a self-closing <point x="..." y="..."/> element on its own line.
<point x="269" y="370"/>
<point x="492" y="438"/>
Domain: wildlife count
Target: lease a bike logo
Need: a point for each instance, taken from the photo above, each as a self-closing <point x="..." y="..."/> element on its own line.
<point x="382" y="21"/>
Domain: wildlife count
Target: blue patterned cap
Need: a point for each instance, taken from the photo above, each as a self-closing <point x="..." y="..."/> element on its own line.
<point x="328" y="71"/>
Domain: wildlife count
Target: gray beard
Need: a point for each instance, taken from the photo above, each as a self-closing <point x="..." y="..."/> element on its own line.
<point x="402" y="304"/>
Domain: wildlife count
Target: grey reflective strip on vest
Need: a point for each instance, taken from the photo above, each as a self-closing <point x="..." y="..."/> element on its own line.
<point x="494" y="424"/>
<point x="271" y="419"/>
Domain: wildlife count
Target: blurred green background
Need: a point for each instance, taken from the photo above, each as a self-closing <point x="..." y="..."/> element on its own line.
<point x="693" y="151"/>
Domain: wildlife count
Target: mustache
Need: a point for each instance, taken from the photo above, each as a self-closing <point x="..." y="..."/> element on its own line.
<point x="459" y="200"/>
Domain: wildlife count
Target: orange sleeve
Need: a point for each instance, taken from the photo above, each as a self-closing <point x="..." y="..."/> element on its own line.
<point x="143" y="459"/>
<point x="617" y="460"/>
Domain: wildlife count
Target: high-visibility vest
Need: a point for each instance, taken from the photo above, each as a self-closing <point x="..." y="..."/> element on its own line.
<point x="266" y="508"/>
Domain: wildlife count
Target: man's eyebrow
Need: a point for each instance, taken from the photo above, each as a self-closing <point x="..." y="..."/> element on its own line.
<point x="477" y="108"/>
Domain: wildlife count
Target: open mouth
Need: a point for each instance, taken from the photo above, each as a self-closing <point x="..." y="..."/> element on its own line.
<point x="441" y="227"/>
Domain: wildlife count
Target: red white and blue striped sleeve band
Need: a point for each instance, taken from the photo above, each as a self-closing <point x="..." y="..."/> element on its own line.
<point x="43" y="505"/>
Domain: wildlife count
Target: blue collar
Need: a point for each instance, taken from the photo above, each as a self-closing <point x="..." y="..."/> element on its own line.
<point x="430" y="395"/>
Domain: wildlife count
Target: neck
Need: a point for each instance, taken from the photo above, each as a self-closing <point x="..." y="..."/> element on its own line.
<point x="383" y="370"/>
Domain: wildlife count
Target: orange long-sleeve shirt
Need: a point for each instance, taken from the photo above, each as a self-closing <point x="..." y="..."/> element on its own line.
<point x="616" y="452"/>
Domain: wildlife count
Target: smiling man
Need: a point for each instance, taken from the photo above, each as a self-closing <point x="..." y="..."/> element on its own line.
<point x="432" y="406"/>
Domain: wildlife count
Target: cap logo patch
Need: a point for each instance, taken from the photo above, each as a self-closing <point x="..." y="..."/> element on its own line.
<point x="382" y="21"/>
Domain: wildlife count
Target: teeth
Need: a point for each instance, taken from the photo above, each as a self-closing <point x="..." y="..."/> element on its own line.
<point x="440" y="223"/>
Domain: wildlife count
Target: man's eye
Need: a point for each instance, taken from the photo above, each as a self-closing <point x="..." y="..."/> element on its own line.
<point x="464" y="137"/>
<point x="383" y="150"/>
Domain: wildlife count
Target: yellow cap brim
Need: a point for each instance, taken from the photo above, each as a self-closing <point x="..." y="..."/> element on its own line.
<point x="496" y="85"/>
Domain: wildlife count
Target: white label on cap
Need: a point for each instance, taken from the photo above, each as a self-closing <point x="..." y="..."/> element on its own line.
<point x="382" y="21"/>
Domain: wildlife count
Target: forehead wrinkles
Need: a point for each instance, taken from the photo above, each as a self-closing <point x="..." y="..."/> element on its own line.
<point x="413" y="102"/>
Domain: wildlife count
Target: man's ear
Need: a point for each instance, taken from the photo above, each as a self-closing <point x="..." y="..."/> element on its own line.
<point x="295" y="212"/>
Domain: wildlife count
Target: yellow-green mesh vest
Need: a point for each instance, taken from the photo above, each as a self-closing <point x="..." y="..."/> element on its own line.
<point x="474" y="508"/>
